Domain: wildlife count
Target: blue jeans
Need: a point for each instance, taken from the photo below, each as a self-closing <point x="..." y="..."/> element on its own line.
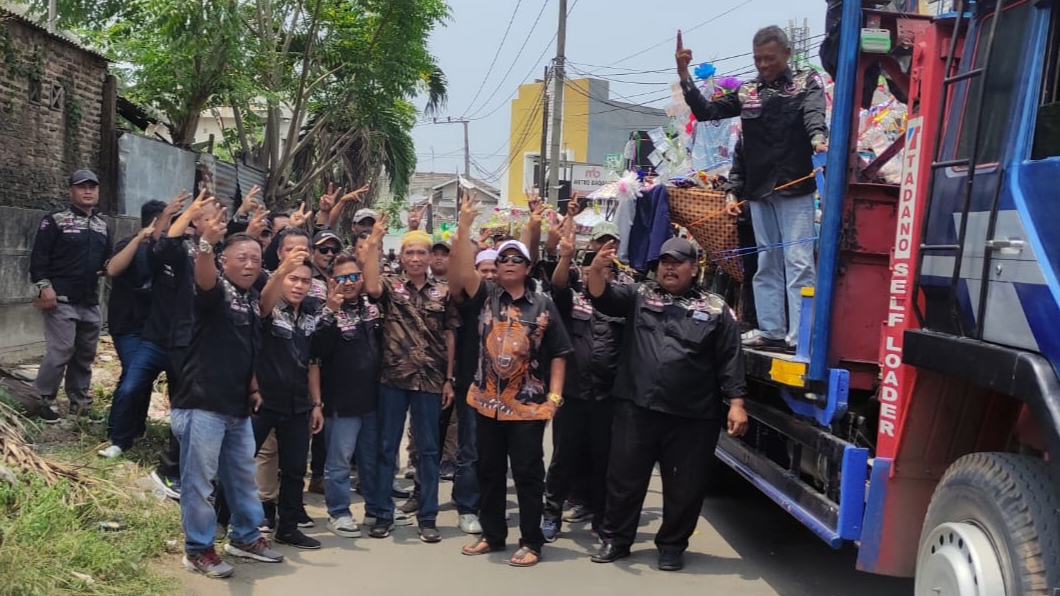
<point x="340" y="436"/>
<point x="465" y="483"/>
<point x="426" y="408"/>
<point x="376" y="493"/>
<point x="782" y="272"/>
<point x="141" y="364"/>
<point x="213" y="444"/>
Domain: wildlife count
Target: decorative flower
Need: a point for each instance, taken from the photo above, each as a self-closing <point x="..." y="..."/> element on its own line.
<point x="705" y="71"/>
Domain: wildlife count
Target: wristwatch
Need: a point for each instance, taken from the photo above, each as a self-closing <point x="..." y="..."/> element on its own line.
<point x="452" y="380"/>
<point x="205" y="247"/>
<point x="44" y="283"/>
<point x="555" y="398"/>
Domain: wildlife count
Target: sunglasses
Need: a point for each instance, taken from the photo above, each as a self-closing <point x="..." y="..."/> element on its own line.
<point x="517" y="259"/>
<point x="348" y="278"/>
<point x="587" y="260"/>
<point x="266" y="233"/>
<point x="329" y="250"/>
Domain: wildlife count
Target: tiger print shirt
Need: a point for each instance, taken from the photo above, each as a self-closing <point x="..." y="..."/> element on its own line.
<point x="518" y="339"/>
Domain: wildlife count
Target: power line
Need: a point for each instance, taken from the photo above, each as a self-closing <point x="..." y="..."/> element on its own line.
<point x="500" y="47"/>
<point x="671" y="38"/>
<point x="515" y="60"/>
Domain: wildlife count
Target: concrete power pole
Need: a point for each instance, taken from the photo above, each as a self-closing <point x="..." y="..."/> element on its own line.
<point x="542" y="175"/>
<point x="467" y="149"/>
<point x="557" y="106"/>
<point x="799" y="37"/>
<point x="53" y="15"/>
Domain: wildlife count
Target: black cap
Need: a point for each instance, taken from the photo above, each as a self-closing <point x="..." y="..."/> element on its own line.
<point x="325" y="235"/>
<point x="82" y="176"/>
<point x="678" y="248"/>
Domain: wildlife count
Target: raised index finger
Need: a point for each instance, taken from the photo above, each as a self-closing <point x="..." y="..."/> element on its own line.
<point x="680" y="44"/>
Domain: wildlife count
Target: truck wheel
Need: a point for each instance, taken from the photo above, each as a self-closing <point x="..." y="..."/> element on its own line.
<point x="992" y="529"/>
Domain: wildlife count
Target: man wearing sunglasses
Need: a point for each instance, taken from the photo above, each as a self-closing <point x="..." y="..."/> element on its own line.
<point x="345" y="361"/>
<point x="516" y="389"/>
<point x="326" y="246"/>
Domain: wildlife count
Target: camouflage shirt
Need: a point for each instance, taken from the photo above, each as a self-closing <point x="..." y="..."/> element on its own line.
<point x="415" y="322"/>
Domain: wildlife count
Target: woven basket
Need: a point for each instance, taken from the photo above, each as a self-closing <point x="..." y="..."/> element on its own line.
<point x="702" y="213"/>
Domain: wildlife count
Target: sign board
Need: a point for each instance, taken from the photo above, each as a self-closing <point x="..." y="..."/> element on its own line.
<point x="613" y="161"/>
<point x="585" y="178"/>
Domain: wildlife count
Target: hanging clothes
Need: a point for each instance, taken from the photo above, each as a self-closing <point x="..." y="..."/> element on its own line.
<point x="651" y="227"/>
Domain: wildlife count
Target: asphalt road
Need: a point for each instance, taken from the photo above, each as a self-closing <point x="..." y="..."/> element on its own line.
<point x="744" y="545"/>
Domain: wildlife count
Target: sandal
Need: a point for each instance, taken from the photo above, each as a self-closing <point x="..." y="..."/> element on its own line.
<point x="519" y="559"/>
<point x="479" y="547"/>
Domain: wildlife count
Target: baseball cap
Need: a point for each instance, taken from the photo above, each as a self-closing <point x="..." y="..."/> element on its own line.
<point x="509" y="244"/>
<point x="603" y="230"/>
<point x="678" y="248"/>
<point x="82" y="176"/>
<point x="441" y="244"/>
<point x="486" y="255"/>
<point x="323" y="236"/>
<point x="366" y="213"/>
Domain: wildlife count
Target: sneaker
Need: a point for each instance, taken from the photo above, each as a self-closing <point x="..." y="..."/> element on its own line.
<point x="220" y="531"/>
<point x="578" y="514"/>
<point x="48" y="414"/>
<point x="344" y="526"/>
<point x="259" y="550"/>
<point x="303" y="520"/>
<point x="400" y="519"/>
<point x="297" y="539"/>
<point x="168" y="485"/>
<point x="550" y="529"/>
<point x="447" y="471"/>
<point x="396" y="492"/>
<point x="430" y="534"/>
<point x="409" y="473"/>
<point x="208" y="563"/>
<point x="316" y="486"/>
<point x="411" y="505"/>
<point x="110" y="452"/>
<point x="268" y="523"/>
<point x="381" y="528"/>
<point x="469" y="524"/>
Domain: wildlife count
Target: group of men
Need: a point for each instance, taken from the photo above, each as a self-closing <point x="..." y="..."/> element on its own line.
<point x="271" y="329"/>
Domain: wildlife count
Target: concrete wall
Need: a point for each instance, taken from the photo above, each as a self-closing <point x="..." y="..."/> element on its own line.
<point x="21" y="335"/>
<point x="610" y="125"/>
<point x="50" y="107"/>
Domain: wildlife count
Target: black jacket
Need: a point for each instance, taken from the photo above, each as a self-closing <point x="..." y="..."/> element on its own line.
<point x="348" y="347"/>
<point x="597" y="339"/>
<point x="70" y="251"/>
<point x="782" y="121"/>
<point x="282" y="367"/>
<point x="680" y="354"/>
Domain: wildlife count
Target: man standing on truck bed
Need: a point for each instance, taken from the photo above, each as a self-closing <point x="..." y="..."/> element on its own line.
<point x="783" y="118"/>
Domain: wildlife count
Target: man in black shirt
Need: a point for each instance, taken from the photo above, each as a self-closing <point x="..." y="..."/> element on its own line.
<point x="582" y="431"/>
<point x="211" y="407"/>
<point x="783" y="118"/>
<point x="127" y="311"/>
<point x="680" y="358"/>
<point x="346" y="356"/>
<point x="68" y="256"/>
<point x="289" y="318"/>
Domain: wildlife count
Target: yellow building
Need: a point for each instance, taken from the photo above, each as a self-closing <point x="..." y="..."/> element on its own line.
<point x="593" y="126"/>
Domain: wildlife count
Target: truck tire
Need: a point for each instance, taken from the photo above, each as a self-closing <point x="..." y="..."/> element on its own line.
<point x="992" y="529"/>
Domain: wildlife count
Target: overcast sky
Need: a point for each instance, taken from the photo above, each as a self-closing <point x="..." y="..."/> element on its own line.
<point x="605" y="38"/>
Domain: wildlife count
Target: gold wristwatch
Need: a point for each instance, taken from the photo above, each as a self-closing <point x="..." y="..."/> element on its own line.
<point x="556" y="399"/>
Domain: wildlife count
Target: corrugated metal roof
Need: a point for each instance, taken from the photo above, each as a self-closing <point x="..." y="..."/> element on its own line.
<point x="225" y="181"/>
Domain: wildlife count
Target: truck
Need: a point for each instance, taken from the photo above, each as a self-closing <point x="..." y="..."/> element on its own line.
<point x="919" y="417"/>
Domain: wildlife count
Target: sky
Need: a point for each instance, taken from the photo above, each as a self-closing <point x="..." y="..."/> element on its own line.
<point x="615" y="40"/>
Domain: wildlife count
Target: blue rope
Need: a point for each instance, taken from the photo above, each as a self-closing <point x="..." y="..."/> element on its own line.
<point x="734" y="253"/>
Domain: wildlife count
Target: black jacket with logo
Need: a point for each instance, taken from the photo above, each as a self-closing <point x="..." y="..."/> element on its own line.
<point x="782" y="121"/>
<point x="70" y="250"/>
<point x="680" y="354"/>
<point x="597" y="339"/>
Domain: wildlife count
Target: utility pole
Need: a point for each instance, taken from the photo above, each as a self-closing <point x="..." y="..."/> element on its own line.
<point x="557" y="106"/>
<point x="542" y="175"/>
<point x="53" y="15"/>
<point x="799" y="38"/>
<point x="467" y="149"/>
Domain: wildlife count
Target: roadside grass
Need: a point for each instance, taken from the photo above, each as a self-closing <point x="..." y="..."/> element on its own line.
<point x="51" y="539"/>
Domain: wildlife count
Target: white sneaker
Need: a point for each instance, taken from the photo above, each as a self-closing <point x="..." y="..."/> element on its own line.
<point x="344" y="526"/>
<point x="469" y="524"/>
<point x="110" y="452"/>
<point x="401" y="519"/>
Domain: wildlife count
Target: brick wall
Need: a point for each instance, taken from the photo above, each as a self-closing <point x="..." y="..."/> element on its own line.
<point x="48" y="132"/>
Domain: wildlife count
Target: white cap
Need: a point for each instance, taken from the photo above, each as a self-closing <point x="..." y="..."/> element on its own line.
<point x="508" y="244"/>
<point x="487" y="255"/>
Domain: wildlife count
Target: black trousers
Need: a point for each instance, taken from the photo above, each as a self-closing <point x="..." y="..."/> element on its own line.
<point x="292" y="446"/>
<point x="746" y="235"/>
<point x="682" y="447"/>
<point x="522" y="442"/>
<point x="318" y="454"/>
<point x="169" y="459"/>
<point x="581" y="447"/>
